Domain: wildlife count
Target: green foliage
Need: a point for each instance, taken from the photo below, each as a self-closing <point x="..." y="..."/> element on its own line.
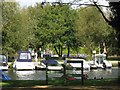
<point x="58" y="28"/>
<point x="55" y="26"/>
<point x="16" y="31"/>
<point x="91" y="28"/>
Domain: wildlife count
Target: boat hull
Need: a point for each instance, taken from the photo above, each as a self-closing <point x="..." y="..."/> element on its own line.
<point x="24" y="66"/>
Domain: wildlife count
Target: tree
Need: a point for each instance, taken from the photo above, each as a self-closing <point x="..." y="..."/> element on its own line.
<point x="9" y="11"/>
<point x="54" y="26"/>
<point x="92" y="29"/>
<point x="16" y="31"/>
<point x="114" y="20"/>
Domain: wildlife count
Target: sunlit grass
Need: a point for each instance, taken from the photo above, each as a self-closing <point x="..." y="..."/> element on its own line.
<point x="4" y="84"/>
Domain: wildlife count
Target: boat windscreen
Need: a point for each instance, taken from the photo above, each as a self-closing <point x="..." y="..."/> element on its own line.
<point x="3" y="58"/>
<point x="25" y="57"/>
<point x="100" y="59"/>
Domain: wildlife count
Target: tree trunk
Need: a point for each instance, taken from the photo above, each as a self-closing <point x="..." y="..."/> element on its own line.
<point x="59" y="50"/>
<point x="68" y="54"/>
<point x="56" y="50"/>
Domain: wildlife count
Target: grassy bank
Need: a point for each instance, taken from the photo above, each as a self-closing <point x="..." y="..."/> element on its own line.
<point x="59" y="82"/>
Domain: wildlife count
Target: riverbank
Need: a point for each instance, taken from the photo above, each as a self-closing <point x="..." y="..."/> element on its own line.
<point x="114" y="63"/>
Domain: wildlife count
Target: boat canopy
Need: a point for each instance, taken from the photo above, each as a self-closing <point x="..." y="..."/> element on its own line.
<point x="24" y="56"/>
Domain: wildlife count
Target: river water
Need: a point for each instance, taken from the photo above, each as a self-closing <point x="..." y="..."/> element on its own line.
<point x="41" y="75"/>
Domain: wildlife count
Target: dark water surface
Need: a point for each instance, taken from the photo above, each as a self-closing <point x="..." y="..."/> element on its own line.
<point x="41" y="75"/>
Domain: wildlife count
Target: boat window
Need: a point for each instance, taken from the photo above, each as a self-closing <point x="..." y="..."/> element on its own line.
<point x="25" y="56"/>
<point x="99" y="60"/>
<point x="2" y="58"/>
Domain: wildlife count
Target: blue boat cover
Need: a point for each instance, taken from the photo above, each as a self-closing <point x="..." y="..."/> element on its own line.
<point x="24" y="56"/>
<point x="50" y="62"/>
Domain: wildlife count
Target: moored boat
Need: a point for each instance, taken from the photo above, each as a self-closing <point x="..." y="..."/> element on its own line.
<point x="52" y="65"/>
<point x="24" y="61"/>
<point x="99" y="61"/>
<point x="78" y="65"/>
<point x="3" y="62"/>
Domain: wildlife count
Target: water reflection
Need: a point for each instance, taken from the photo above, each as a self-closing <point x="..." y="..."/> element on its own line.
<point x="101" y="73"/>
<point x="41" y="75"/>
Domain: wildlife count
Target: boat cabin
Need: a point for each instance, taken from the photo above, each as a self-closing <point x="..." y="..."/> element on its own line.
<point x="24" y="56"/>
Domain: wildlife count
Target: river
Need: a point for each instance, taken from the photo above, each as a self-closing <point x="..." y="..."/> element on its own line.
<point x="41" y="75"/>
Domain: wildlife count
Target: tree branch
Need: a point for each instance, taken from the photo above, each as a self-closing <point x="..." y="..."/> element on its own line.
<point x="109" y="22"/>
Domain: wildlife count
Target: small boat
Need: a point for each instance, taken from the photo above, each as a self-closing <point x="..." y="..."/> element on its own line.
<point x="3" y="76"/>
<point x="52" y="65"/>
<point x="78" y="65"/>
<point x="99" y="61"/>
<point x="3" y="62"/>
<point x="24" y="61"/>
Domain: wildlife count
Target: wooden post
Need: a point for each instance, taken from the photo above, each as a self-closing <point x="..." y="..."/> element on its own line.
<point x="46" y="72"/>
<point x="64" y="66"/>
<point x="82" y="73"/>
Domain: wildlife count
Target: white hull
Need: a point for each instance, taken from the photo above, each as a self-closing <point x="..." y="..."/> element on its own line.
<point x="23" y="65"/>
<point x="96" y="65"/>
<point x="4" y="67"/>
<point x="78" y="65"/>
<point x="52" y="67"/>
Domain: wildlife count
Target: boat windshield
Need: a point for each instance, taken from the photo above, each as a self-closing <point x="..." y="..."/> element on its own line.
<point x="3" y="58"/>
<point x="25" y="56"/>
<point x="100" y="59"/>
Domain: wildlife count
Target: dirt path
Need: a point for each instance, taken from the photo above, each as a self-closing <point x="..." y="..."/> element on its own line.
<point x="64" y="88"/>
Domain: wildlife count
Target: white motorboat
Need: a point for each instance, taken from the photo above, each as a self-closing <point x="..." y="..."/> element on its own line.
<point x="3" y="62"/>
<point x="24" y="61"/>
<point x="86" y="66"/>
<point x="99" y="61"/>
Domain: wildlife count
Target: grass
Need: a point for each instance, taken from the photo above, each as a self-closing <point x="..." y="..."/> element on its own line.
<point x="59" y="82"/>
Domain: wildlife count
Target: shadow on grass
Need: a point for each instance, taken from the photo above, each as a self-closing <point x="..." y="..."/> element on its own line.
<point x="59" y="82"/>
